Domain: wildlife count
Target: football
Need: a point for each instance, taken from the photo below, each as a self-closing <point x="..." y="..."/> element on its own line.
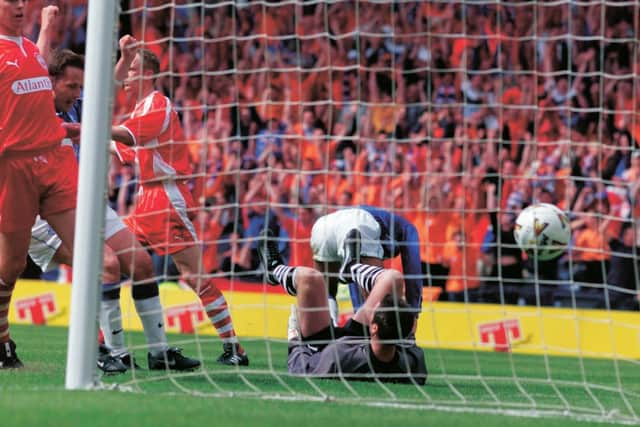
<point x="542" y="231"/>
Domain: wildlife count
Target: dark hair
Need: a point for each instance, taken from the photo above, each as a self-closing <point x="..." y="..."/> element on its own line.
<point x="625" y="226"/>
<point x="149" y="61"/>
<point x="63" y="58"/>
<point x="394" y="318"/>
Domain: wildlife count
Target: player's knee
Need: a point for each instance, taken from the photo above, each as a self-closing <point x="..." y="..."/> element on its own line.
<point x="308" y="276"/>
<point x="143" y="268"/>
<point x="308" y="280"/>
<point x="392" y="280"/>
<point x="63" y="256"/>
<point x="111" y="267"/>
<point x="11" y="267"/>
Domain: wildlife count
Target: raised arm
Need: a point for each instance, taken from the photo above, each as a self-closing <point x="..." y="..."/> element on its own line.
<point x="374" y="95"/>
<point x="48" y="27"/>
<point x="128" y="46"/>
<point x="584" y="60"/>
<point x="492" y="206"/>
<point x="274" y="191"/>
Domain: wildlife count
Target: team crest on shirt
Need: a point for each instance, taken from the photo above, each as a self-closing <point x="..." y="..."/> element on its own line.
<point x="42" y="62"/>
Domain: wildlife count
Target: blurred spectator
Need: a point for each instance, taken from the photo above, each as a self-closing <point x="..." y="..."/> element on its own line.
<point x="623" y="278"/>
<point x="291" y="110"/>
<point x="591" y="251"/>
<point x="297" y="223"/>
<point x="620" y="288"/>
<point x="507" y="264"/>
<point x="462" y="261"/>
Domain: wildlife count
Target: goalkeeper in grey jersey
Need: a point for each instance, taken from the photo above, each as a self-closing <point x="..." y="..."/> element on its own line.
<point x="373" y="345"/>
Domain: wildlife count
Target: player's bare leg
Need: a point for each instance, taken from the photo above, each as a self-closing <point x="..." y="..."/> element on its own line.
<point x="13" y="250"/>
<point x="114" y="354"/>
<point x="189" y="263"/>
<point x="389" y="282"/>
<point x="134" y="261"/>
<point x="110" y="315"/>
<point x="312" y="313"/>
<point x="123" y="254"/>
<point x="330" y="272"/>
<point x="312" y="301"/>
<point x="63" y="255"/>
<point x="63" y="224"/>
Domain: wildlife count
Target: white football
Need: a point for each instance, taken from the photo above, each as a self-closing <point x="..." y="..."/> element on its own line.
<point x="542" y="231"/>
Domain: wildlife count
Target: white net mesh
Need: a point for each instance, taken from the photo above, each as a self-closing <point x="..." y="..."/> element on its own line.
<point x="455" y="115"/>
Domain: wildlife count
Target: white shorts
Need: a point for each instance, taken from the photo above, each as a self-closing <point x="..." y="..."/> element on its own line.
<point x="329" y="232"/>
<point x="45" y="242"/>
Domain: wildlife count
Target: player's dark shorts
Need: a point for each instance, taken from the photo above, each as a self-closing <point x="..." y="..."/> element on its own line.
<point x="301" y="352"/>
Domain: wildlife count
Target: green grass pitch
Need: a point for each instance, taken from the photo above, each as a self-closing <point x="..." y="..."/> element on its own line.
<point x="35" y="396"/>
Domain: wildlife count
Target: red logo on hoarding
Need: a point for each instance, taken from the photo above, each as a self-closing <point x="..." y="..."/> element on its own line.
<point x="500" y="334"/>
<point x="185" y="317"/>
<point x="343" y="318"/>
<point x="37" y="309"/>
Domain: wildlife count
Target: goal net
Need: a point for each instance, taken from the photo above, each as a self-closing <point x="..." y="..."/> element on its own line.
<point x="452" y="114"/>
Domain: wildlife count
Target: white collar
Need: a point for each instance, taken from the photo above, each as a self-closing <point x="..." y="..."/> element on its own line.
<point x="15" y="39"/>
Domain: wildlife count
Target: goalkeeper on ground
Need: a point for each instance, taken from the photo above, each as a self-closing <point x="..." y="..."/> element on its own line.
<point x="376" y="234"/>
<point x="373" y="345"/>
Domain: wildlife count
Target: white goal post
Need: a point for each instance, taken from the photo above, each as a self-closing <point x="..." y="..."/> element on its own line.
<point x="89" y="231"/>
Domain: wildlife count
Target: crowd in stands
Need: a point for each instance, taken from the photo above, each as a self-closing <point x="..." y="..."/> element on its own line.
<point x="454" y="115"/>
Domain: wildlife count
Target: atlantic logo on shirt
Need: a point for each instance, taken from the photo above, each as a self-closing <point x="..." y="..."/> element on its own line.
<point x="35" y="84"/>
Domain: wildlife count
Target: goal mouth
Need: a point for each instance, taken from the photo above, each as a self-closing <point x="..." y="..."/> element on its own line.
<point x="245" y="125"/>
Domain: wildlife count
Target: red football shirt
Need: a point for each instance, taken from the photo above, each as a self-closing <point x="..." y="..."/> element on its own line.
<point x="160" y="146"/>
<point x="28" y="120"/>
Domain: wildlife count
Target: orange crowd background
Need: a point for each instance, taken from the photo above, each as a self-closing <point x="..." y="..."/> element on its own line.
<point x="455" y="115"/>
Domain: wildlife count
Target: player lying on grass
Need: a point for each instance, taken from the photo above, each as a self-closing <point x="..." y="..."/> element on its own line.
<point x="153" y="138"/>
<point x="373" y="345"/>
<point x="120" y="257"/>
<point x="377" y="235"/>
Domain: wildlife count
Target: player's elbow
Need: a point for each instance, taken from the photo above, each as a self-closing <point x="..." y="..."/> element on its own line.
<point x="123" y="135"/>
<point x="111" y="266"/>
<point x="11" y="267"/>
